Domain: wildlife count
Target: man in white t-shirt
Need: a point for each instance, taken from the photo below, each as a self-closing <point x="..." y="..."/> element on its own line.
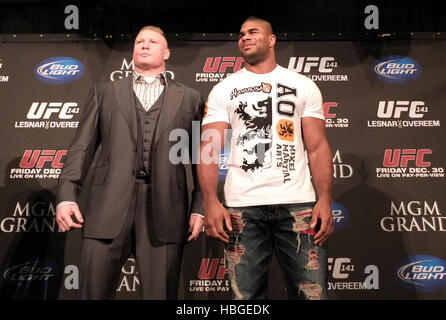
<point x="270" y="202"/>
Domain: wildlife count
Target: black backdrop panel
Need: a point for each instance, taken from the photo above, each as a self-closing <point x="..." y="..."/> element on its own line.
<point x="384" y="106"/>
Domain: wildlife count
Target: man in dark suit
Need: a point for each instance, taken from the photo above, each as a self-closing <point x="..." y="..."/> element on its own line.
<point x="133" y="198"/>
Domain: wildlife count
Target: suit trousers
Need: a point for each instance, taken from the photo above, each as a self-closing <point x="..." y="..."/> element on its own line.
<point x="158" y="264"/>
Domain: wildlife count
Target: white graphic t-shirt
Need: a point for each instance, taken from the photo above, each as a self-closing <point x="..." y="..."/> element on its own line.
<point x="267" y="164"/>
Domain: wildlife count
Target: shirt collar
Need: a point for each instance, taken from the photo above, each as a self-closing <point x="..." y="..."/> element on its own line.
<point x="161" y="77"/>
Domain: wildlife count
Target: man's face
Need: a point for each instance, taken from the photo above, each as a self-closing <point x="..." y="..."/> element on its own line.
<point x="254" y="41"/>
<point x="150" y="50"/>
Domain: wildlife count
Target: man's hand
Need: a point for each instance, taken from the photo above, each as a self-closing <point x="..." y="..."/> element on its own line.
<point x="195" y="226"/>
<point x="64" y="219"/>
<point x="322" y="210"/>
<point x="213" y="221"/>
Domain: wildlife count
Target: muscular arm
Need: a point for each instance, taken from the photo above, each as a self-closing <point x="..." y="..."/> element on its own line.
<point x="319" y="156"/>
<point x="212" y="137"/>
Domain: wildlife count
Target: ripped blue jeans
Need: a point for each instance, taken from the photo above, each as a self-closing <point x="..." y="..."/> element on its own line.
<point x="257" y="231"/>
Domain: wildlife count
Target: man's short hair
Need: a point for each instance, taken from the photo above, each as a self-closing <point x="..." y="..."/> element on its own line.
<point x="152" y="28"/>
<point x="155" y="29"/>
<point x="269" y="28"/>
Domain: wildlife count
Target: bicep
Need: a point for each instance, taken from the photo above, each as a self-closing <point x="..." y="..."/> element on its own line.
<point x="313" y="130"/>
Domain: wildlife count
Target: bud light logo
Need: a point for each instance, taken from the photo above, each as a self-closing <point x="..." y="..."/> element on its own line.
<point x="38" y="272"/>
<point x="397" y="69"/>
<point x="422" y="273"/>
<point x="223" y="166"/>
<point x="341" y="216"/>
<point x="59" y="70"/>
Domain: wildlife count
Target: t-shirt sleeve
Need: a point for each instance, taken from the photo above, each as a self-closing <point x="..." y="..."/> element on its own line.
<point x="216" y="107"/>
<point x="313" y="101"/>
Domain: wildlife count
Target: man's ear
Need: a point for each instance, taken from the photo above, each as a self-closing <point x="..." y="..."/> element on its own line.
<point x="166" y="54"/>
<point x="271" y="40"/>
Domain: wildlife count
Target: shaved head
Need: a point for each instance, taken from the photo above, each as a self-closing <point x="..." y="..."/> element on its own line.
<point x="266" y="24"/>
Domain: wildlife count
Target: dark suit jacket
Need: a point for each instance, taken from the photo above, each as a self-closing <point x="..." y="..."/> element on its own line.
<point x="99" y="171"/>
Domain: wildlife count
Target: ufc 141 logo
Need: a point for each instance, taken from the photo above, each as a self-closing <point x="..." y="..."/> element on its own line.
<point x="44" y="110"/>
<point x="216" y="69"/>
<point x="402" y="114"/>
<point x="342" y="270"/>
<point x="210" y="277"/>
<point x="39" y="164"/>
<point x="50" y="115"/>
<point x="317" y="68"/>
<point x="408" y="163"/>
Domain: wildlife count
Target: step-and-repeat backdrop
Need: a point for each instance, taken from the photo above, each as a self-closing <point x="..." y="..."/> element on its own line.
<point x="385" y="108"/>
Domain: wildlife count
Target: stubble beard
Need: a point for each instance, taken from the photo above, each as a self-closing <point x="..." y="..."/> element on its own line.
<point x="254" y="58"/>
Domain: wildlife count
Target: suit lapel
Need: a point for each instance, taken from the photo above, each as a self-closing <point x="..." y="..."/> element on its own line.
<point x="171" y="105"/>
<point x="126" y="102"/>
